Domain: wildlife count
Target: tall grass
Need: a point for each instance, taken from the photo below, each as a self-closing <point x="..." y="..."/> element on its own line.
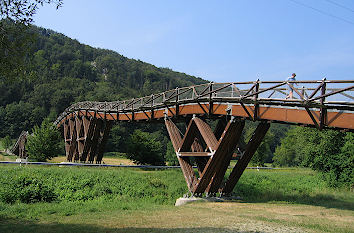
<point x="30" y="192"/>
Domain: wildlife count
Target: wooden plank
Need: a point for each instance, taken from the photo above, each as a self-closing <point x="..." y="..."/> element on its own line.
<point x="189" y="154"/>
<point x="206" y="133"/>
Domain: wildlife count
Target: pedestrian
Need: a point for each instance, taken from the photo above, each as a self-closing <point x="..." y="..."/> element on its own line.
<point x="290" y="88"/>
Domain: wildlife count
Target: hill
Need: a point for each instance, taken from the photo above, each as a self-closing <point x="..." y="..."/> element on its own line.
<point x="64" y="71"/>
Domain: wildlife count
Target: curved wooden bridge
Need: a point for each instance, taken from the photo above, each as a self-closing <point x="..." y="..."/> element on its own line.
<point x="320" y="104"/>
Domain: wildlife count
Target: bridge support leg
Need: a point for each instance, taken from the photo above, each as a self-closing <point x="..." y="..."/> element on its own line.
<point x="104" y="138"/>
<point x="185" y="163"/>
<point x="241" y="165"/>
<point x="216" y="149"/>
<point x="85" y="138"/>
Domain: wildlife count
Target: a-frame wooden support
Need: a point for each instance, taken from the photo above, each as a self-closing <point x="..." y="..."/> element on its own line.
<point x="85" y="138"/>
<point x="216" y="149"/>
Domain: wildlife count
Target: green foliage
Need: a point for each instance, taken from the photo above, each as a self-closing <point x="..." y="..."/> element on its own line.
<point x="171" y="157"/>
<point x="327" y="151"/>
<point x="46" y="184"/>
<point x="25" y="189"/>
<point x="15" y="44"/>
<point x="287" y="154"/>
<point x="263" y="152"/>
<point x="63" y="71"/>
<point x="16" y="117"/>
<point x="44" y="143"/>
<point x="22" y="11"/>
<point x="145" y="149"/>
<point x="7" y="142"/>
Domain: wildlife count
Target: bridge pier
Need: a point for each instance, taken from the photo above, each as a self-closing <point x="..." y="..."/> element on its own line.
<point x="213" y="152"/>
<point x="85" y="138"/>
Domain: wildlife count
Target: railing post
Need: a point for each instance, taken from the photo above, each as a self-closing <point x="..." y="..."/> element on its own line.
<point x="256" y="105"/>
<point x="210" y="98"/>
<point x="323" y="109"/>
<point x="152" y="106"/>
<point x="177" y="98"/>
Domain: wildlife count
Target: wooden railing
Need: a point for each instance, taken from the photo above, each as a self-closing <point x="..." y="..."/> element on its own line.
<point x="322" y="94"/>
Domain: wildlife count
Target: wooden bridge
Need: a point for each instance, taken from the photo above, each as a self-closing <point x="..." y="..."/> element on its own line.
<point x="320" y="104"/>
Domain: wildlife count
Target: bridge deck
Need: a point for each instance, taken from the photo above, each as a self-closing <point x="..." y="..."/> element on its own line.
<point x="320" y="104"/>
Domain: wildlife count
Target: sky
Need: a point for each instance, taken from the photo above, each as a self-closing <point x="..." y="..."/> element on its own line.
<point x="221" y="41"/>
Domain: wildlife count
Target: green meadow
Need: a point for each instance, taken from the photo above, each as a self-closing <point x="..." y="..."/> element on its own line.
<point x="66" y="199"/>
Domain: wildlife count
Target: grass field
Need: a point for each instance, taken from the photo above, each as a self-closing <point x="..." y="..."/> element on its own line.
<point x="53" y="199"/>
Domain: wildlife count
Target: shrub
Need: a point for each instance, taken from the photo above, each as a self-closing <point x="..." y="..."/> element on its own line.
<point x="144" y="149"/>
<point x="44" y="143"/>
<point x="26" y="189"/>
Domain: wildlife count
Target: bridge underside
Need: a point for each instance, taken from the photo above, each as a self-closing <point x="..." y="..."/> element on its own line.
<point x="335" y="119"/>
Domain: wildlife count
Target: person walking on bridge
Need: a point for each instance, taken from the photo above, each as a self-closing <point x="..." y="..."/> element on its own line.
<point x="291" y="88"/>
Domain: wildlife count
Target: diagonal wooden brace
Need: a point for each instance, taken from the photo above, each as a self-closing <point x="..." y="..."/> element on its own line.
<point x="227" y="146"/>
<point x="184" y="162"/>
<point x="241" y="165"/>
<point x="215" y="168"/>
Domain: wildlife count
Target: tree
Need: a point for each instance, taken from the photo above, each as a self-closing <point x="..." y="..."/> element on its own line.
<point x="15" y="36"/>
<point x="22" y="11"/>
<point x="7" y="142"/>
<point x="171" y="157"/>
<point x="263" y="151"/>
<point x="144" y="149"/>
<point x="329" y="152"/>
<point x="44" y="143"/>
<point x="285" y="155"/>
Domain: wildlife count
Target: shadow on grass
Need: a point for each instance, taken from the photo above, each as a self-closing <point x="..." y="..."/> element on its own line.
<point x="18" y="225"/>
<point x="252" y="194"/>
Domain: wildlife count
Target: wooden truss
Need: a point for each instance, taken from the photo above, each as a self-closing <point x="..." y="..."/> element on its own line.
<point x="85" y="138"/>
<point x="212" y="153"/>
<point x="19" y="148"/>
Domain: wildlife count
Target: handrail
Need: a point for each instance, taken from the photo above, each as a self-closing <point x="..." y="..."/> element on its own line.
<point x="235" y="92"/>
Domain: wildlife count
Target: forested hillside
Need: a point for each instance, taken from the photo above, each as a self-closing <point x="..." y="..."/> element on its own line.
<point x="64" y="71"/>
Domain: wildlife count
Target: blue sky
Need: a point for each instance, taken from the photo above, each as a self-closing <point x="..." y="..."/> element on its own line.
<point x="221" y="41"/>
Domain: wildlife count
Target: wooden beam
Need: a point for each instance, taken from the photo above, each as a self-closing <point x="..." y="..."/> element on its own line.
<point x="227" y="145"/>
<point x="206" y="133"/>
<point x="197" y="154"/>
<point x="184" y="162"/>
<point x="241" y="165"/>
<point x="103" y="141"/>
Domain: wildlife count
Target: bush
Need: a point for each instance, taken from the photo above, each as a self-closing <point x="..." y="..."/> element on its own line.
<point x="44" y="143"/>
<point x="7" y="142"/>
<point x="45" y="184"/>
<point x="26" y="189"/>
<point x="144" y="149"/>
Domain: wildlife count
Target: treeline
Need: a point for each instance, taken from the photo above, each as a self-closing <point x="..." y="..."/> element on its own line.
<point x="329" y="152"/>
